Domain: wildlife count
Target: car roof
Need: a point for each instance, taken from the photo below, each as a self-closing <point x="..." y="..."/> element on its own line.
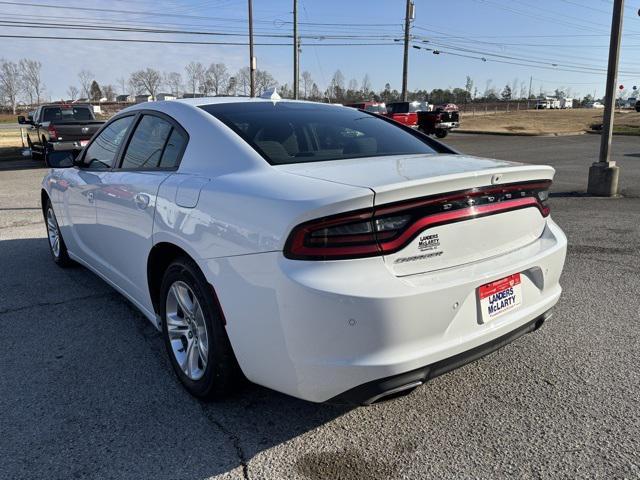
<point x="198" y="102"/>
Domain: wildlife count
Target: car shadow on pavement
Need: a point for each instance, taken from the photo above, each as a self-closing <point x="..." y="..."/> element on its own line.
<point x="12" y="158"/>
<point x="87" y="390"/>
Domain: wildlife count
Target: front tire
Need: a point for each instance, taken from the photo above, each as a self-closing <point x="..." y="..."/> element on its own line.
<point x="57" y="246"/>
<point x="441" y="133"/>
<point x="194" y="333"/>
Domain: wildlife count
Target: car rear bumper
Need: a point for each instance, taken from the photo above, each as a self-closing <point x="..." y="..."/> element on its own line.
<point x="376" y="390"/>
<point x="316" y="330"/>
<point x="66" y="146"/>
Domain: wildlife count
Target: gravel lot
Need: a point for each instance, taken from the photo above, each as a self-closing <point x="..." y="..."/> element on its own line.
<point x="86" y="390"/>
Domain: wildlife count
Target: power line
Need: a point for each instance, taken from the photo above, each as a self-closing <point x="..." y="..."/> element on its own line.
<point x="188" y="42"/>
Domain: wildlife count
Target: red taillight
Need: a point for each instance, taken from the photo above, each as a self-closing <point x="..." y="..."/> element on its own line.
<point x="53" y="133"/>
<point x="389" y="228"/>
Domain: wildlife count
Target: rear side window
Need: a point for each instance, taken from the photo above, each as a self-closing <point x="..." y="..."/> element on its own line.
<point x="289" y="132"/>
<point x="155" y="143"/>
<point x="102" y="151"/>
<point x="147" y="143"/>
<point x="173" y="150"/>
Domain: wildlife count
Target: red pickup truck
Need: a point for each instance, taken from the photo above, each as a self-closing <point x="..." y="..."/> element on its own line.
<point x="406" y="112"/>
<point x="437" y="121"/>
<point x="374" y="107"/>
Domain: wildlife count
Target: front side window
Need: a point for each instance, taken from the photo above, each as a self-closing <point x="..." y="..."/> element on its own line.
<point x="288" y="132"/>
<point x="101" y="153"/>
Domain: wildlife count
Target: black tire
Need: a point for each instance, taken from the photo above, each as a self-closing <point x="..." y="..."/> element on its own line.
<point x="441" y="133"/>
<point x="45" y="153"/>
<point x="35" y="154"/>
<point x="60" y="254"/>
<point x="221" y="373"/>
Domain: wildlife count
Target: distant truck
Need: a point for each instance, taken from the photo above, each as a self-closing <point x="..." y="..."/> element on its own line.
<point x="440" y="120"/>
<point x="374" y="107"/>
<point x="59" y="127"/>
<point x="566" y="103"/>
<point x="406" y="112"/>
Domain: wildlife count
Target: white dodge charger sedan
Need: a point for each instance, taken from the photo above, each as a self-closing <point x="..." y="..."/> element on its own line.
<point x="318" y="250"/>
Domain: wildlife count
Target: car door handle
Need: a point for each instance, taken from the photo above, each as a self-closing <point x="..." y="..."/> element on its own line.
<point x="142" y="200"/>
<point x="90" y="197"/>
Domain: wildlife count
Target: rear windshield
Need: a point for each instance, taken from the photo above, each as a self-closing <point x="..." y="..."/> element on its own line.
<point x="288" y="132"/>
<point x="57" y="114"/>
<point x="407" y="107"/>
<point x="376" y="108"/>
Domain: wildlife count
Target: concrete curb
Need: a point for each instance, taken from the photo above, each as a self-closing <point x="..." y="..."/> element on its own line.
<point x="521" y="134"/>
<point x="624" y="134"/>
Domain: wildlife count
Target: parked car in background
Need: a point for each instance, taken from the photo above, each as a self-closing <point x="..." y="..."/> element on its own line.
<point x="638" y="106"/>
<point x="373" y="107"/>
<point x="439" y="121"/>
<point x="595" y="105"/>
<point x="59" y="128"/>
<point x="322" y="251"/>
<point x="406" y="112"/>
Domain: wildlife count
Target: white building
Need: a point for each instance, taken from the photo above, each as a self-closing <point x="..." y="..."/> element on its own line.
<point x="165" y="96"/>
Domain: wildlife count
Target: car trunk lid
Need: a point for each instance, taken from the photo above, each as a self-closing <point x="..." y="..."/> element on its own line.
<point x="462" y="209"/>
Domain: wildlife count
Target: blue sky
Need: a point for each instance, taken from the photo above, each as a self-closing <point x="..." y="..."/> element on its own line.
<point x="560" y="43"/>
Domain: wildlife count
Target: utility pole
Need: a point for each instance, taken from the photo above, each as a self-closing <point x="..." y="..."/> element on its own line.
<point x="408" y="16"/>
<point x="603" y="174"/>
<point x="530" y="83"/>
<point x="296" y="52"/>
<point x="252" y="59"/>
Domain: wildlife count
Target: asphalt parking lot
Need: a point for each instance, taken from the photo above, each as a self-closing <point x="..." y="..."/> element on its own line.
<point x="86" y="389"/>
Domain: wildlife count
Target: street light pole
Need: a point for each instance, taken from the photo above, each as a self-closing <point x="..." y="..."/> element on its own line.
<point x="296" y="67"/>
<point x="603" y="174"/>
<point x="252" y="59"/>
<point x="405" y="64"/>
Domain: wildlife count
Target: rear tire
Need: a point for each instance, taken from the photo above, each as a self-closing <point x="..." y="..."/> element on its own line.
<point x="441" y="133"/>
<point x="194" y="334"/>
<point x="57" y="246"/>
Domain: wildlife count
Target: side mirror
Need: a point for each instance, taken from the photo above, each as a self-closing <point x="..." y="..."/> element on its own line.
<point x="22" y="120"/>
<point x="64" y="159"/>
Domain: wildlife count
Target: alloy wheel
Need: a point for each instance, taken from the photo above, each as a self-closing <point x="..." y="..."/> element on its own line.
<point x="53" y="233"/>
<point x="187" y="330"/>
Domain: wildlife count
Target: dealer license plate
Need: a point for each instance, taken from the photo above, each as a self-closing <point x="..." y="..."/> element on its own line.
<point x="500" y="297"/>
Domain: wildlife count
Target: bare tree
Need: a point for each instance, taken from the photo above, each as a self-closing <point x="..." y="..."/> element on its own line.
<point x="122" y="82"/>
<point x="307" y="81"/>
<point x="232" y="86"/>
<point x="173" y="80"/>
<point x="10" y="83"/>
<point x="195" y="75"/>
<point x="514" y="88"/>
<point x="353" y="85"/>
<point x="85" y="77"/>
<point x="32" y="79"/>
<point x="336" y="87"/>
<point x="243" y="80"/>
<point x="109" y="91"/>
<point x="217" y="78"/>
<point x="148" y="80"/>
<point x="366" y="84"/>
<point x="73" y="91"/>
<point x="264" y="81"/>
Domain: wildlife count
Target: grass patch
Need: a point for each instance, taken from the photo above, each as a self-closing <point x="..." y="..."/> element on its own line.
<point x="549" y="121"/>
